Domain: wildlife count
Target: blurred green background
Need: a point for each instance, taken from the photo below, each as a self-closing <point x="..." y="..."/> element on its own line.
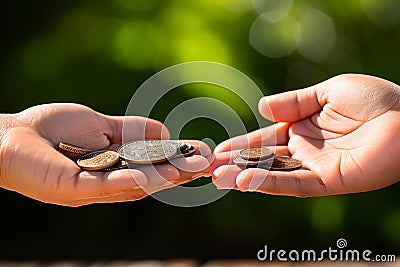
<point x="98" y="52"/>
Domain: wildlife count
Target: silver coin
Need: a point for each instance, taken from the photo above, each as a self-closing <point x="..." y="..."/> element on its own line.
<point x="180" y="145"/>
<point x="148" y="151"/>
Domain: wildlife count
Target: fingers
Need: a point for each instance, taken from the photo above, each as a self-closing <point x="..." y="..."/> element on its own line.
<point x="137" y="182"/>
<point x="158" y="177"/>
<point x="98" y="184"/>
<point x="132" y="128"/>
<point x="41" y="172"/>
<point x="299" y="183"/>
<point x="276" y="134"/>
<point x="191" y="167"/>
<point x="224" y="177"/>
<point x="132" y="195"/>
<point x="145" y="180"/>
<point x="294" y="105"/>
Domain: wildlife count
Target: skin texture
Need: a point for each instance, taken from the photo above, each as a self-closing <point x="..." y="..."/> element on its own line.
<point x="31" y="165"/>
<point x="345" y="130"/>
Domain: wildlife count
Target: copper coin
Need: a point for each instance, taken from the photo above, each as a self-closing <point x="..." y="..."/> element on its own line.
<point x="256" y="153"/>
<point x="148" y="151"/>
<point x="241" y="162"/>
<point x="72" y="151"/>
<point x="285" y="164"/>
<point x="98" y="160"/>
<point x="121" y="164"/>
<point x="188" y="151"/>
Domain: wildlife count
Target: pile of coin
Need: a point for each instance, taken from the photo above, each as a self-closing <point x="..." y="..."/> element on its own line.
<point x="264" y="157"/>
<point x="136" y="152"/>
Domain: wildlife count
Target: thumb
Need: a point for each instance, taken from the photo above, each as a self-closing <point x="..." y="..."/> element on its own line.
<point x="294" y="105"/>
<point x="135" y="128"/>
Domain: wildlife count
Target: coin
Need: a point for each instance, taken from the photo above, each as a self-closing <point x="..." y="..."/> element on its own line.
<point x="148" y="151"/>
<point x="180" y="145"/>
<point x="187" y="151"/>
<point x="98" y="160"/>
<point x="241" y="162"/>
<point x="72" y="151"/>
<point x="256" y="153"/>
<point x="121" y="164"/>
<point x="285" y="164"/>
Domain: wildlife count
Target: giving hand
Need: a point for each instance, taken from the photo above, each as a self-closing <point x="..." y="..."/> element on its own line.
<point x="31" y="165"/>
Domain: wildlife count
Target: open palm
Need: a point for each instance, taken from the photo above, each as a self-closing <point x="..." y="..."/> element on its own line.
<point x="344" y="130"/>
<point x="32" y="166"/>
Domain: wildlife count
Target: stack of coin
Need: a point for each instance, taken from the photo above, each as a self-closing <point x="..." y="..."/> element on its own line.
<point x="254" y="157"/>
<point x="137" y="152"/>
<point x="263" y="157"/>
<point x="154" y="151"/>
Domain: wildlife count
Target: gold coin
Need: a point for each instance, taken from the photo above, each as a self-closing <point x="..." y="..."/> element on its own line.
<point x="256" y="153"/>
<point x="72" y="151"/>
<point x="121" y="164"/>
<point x="98" y="160"/>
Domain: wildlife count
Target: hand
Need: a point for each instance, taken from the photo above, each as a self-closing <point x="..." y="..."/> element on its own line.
<point x="345" y="131"/>
<point x="31" y="165"/>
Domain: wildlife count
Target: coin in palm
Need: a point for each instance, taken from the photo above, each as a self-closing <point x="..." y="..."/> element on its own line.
<point x="148" y="151"/>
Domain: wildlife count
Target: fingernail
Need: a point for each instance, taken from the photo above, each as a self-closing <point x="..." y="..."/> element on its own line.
<point x="218" y="171"/>
<point x="223" y="181"/>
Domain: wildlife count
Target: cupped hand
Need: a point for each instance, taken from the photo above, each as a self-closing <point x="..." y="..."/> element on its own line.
<point x="31" y="165"/>
<point x="344" y="130"/>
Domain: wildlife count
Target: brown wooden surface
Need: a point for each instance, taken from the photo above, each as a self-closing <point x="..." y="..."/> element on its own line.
<point x="193" y="263"/>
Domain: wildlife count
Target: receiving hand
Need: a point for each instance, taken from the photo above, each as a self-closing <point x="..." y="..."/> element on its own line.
<point x="31" y="165"/>
<point x="345" y="131"/>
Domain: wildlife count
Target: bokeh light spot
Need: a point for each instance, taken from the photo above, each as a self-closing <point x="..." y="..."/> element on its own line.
<point x="264" y="6"/>
<point x="384" y="13"/>
<point x="190" y="47"/>
<point x="318" y="36"/>
<point x="239" y="6"/>
<point x="274" y="35"/>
